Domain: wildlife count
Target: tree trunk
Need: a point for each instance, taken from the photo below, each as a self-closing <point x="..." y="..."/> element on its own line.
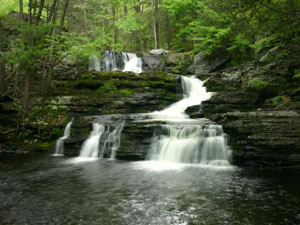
<point x="34" y="11"/>
<point x="2" y="77"/>
<point x="126" y="38"/>
<point x="26" y="93"/>
<point x="62" y="21"/>
<point x="137" y="34"/>
<point x="30" y="12"/>
<point x="155" y="23"/>
<point x="38" y="17"/>
<point x="21" y="5"/>
<point x="169" y="31"/>
<point x="115" y="38"/>
<point x="52" y="10"/>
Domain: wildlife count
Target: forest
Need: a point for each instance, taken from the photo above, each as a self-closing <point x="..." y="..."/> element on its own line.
<point x="36" y="35"/>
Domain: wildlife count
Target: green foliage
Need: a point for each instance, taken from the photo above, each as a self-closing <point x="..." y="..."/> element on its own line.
<point x="24" y="134"/>
<point x="276" y="100"/>
<point x="108" y="87"/>
<point x="88" y="76"/>
<point x="297" y="74"/>
<point x="258" y="84"/>
<point x="126" y="92"/>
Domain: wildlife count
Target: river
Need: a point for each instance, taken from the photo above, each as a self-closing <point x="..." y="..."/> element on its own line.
<point x="41" y="189"/>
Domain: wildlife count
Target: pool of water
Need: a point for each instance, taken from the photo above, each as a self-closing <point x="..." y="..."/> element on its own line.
<point x="40" y="189"/>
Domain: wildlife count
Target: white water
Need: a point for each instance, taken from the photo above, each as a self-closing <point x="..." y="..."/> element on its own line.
<point x="191" y="144"/>
<point x="194" y="93"/>
<point x="101" y="140"/>
<point x="59" y="149"/>
<point x="132" y="63"/>
<point x="112" y="61"/>
<point x="180" y="142"/>
<point x="90" y="148"/>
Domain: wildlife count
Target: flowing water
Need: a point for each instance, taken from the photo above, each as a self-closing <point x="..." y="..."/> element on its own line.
<point x="185" y="140"/>
<point x="109" y="136"/>
<point x="59" y="148"/>
<point x="132" y="63"/>
<point x="38" y="189"/>
<point x="112" y="61"/>
<point x="187" y="179"/>
<point x="191" y="144"/>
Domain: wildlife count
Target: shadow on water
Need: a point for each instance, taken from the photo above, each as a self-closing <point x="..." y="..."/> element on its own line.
<point x="38" y="189"/>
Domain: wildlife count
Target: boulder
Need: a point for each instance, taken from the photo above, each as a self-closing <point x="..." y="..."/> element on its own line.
<point x="159" y="52"/>
<point x="153" y="63"/>
<point x="205" y="64"/>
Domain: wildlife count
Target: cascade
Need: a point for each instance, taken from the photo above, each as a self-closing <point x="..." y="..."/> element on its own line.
<point x="59" y="149"/>
<point x="132" y="63"/>
<point x="113" y="61"/>
<point x="185" y="140"/>
<point x="194" y="93"/>
<point x="101" y="139"/>
<point x="204" y="144"/>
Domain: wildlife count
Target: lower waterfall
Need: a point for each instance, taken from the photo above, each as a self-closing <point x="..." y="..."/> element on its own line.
<point x="204" y="144"/>
<point x="103" y="139"/>
<point x="59" y="149"/>
<point x="184" y="140"/>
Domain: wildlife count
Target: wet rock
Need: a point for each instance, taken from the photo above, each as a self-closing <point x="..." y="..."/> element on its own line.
<point x="264" y="131"/>
<point x="153" y="63"/>
<point x="206" y="64"/>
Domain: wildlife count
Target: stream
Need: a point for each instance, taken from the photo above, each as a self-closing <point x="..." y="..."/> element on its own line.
<point x="186" y="179"/>
<point x="41" y="189"/>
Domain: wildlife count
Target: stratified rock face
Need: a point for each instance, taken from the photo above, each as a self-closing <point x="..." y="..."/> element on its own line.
<point x="79" y="95"/>
<point x="135" y="137"/>
<point x="259" y="107"/>
<point x="99" y="93"/>
<point x="270" y="138"/>
<point x="205" y="64"/>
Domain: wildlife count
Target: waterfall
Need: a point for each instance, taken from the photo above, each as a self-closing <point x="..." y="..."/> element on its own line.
<point x="113" y="141"/>
<point x="194" y="93"/>
<point x="102" y="138"/>
<point x="132" y="63"/>
<point x="190" y="144"/>
<point x="195" y="142"/>
<point x="90" y="148"/>
<point x="59" y="149"/>
<point x="114" y="61"/>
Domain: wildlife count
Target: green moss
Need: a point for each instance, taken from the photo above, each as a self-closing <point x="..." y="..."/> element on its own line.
<point x="126" y="92"/>
<point x="108" y="87"/>
<point x="45" y="145"/>
<point x="258" y="84"/>
<point x="88" y="76"/>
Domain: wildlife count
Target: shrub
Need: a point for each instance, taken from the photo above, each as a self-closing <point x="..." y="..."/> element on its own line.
<point x="276" y="100"/>
<point x="258" y="84"/>
<point x="108" y="87"/>
<point x="297" y="74"/>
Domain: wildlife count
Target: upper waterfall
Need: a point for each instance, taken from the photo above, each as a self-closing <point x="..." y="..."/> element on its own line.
<point x="114" y="61"/>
